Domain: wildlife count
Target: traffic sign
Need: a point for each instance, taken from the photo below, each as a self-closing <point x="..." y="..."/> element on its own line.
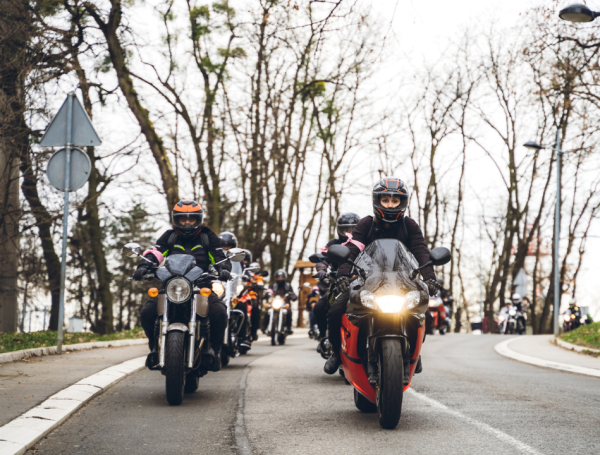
<point x="83" y="133"/>
<point x="80" y="165"/>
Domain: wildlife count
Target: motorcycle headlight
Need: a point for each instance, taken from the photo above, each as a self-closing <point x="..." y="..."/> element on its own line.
<point x="179" y="290"/>
<point x="566" y="317"/>
<point x="239" y="288"/>
<point x="412" y="299"/>
<point x="512" y="312"/>
<point x="367" y="298"/>
<point x="500" y="318"/>
<point x="277" y="303"/>
<point x="390" y="303"/>
<point x="433" y="303"/>
<point x="572" y="316"/>
<point x="218" y="289"/>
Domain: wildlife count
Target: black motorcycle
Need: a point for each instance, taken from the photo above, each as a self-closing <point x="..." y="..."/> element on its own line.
<point x="182" y="328"/>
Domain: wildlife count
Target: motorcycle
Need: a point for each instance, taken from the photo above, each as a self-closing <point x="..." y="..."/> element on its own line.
<point x="383" y="328"/>
<point x="247" y="290"/>
<point x="277" y="310"/>
<point x="511" y="322"/>
<point x="182" y="328"/>
<point x="311" y="300"/>
<point x="572" y="319"/>
<point x="235" y="317"/>
<point x="438" y="319"/>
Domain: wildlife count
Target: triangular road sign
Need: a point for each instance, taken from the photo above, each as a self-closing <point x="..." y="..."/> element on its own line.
<point x="83" y="132"/>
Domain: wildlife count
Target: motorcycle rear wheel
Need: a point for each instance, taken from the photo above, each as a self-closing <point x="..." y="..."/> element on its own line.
<point x="390" y="389"/>
<point x="192" y="380"/>
<point x="174" y="367"/>
<point x="362" y="404"/>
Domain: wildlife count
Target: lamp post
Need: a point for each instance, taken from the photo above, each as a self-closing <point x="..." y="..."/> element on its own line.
<point x="577" y="12"/>
<point x="557" y="287"/>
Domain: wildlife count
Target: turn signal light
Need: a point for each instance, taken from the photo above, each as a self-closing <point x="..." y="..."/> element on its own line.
<point x="266" y="305"/>
<point x="205" y="292"/>
<point x="153" y="292"/>
<point x="287" y="306"/>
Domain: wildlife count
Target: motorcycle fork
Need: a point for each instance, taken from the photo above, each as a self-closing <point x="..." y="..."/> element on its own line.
<point x="192" y="329"/>
<point x="164" y="323"/>
<point x="282" y="314"/>
<point x="271" y="314"/>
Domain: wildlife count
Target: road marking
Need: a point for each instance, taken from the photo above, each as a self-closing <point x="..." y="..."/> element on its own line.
<point x="503" y="349"/>
<point x="20" y="434"/>
<point x="521" y="446"/>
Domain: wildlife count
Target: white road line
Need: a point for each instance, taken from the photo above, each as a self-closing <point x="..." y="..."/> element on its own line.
<point x="521" y="446"/>
<point x="20" y="434"/>
<point x="503" y="349"/>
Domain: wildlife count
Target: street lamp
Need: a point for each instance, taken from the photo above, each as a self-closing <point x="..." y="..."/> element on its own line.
<point x="577" y="13"/>
<point x="559" y="153"/>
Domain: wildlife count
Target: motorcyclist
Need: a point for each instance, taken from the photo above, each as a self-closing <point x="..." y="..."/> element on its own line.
<point x="229" y="241"/>
<point x="390" y="200"/>
<point x="517" y="301"/>
<point x="282" y="288"/>
<point x="188" y="236"/>
<point x="256" y="304"/>
<point x="574" y="309"/>
<point x="344" y="226"/>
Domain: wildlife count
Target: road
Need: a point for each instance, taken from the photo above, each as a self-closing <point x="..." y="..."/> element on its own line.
<point x="468" y="400"/>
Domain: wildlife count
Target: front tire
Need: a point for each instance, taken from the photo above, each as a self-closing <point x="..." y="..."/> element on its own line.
<point x="174" y="367"/>
<point x="362" y="404"/>
<point x="281" y="338"/>
<point x="390" y="389"/>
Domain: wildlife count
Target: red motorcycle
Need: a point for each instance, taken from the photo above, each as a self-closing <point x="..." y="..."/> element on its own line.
<point x="438" y="318"/>
<point x="384" y="325"/>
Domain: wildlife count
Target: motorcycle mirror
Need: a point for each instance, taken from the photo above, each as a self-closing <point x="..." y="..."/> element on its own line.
<point x="338" y="254"/>
<point x="253" y="267"/>
<point x="316" y="258"/>
<point x="235" y="255"/>
<point x="264" y="273"/>
<point x="131" y="250"/>
<point x="440" y="255"/>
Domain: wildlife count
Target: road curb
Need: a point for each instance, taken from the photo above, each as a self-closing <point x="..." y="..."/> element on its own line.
<point x="574" y="347"/>
<point x="38" y="352"/>
<point x="25" y="431"/>
<point x="503" y="349"/>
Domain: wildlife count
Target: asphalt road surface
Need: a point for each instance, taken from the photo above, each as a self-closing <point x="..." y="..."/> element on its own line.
<point x="277" y="400"/>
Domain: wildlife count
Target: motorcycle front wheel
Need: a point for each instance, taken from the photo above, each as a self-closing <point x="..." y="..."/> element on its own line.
<point x="174" y="367"/>
<point x="390" y="389"/>
<point x="281" y="338"/>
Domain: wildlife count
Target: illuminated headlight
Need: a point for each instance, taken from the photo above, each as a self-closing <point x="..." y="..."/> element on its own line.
<point x="239" y="288"/>
<point x="512" y="312"/>
<point x="179" y="290"/>
<point x="567" y="317"/>
<point x="572" y="316"/>
<point x="500" y="318"/>
<point x="433" y="303"/>
<point x="277" y="303"/>
<point x="390" y="303"/>
<point x="218" y="288"/>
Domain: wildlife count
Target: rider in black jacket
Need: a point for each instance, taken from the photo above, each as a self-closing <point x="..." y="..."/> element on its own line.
<point x="345" y="224"/>
<point x="390" y="200"/>
<point x="282" y="288"/>
<point x="188" y="236"/>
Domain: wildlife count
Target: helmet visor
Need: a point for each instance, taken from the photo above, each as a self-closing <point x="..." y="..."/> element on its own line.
<point x="345" y="229"/>
<point x="391" y="200"/>
<point x="187" y="220"/>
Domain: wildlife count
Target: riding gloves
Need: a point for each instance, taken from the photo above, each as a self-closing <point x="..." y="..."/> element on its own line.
<point x="433" y="286"/>
<point x="342" y="284"/>
<point x="140" y="272"/>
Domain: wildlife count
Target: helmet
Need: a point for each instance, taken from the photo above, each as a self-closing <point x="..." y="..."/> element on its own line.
<point x="228" y="240"/>
<point x="440" y="281"/>
<point x="187" y="217"/>
<point x="516" y="298"/>
<point x="247" y="258"/>
<point x="280" y="275"/>
<point x="345" y="224"/>
<point x="390" y="186"/>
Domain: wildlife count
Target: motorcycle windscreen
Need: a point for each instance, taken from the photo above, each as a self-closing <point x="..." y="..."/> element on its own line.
<point x="388" y="265"/>
<point x="180" y="264"/>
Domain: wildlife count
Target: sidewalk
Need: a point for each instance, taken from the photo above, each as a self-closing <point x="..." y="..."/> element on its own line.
<point x="27" y="383"/>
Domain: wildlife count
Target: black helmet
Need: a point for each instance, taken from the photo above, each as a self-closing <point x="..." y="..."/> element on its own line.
<point x="389" y="186"/>
<point x="345" y="224"/>
<point x="186" y="218"/>
<point x="440" y="281"/>
<point x="280" y="275"/>
<point x="228" y="240"/>
<point x="247" y="258"/>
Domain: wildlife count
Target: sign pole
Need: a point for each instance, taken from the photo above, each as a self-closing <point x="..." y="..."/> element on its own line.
<point x="63" y="264"/>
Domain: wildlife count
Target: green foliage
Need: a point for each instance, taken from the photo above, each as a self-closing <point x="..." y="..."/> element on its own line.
<point x="312" y="90"/>
<point x="104" y="65"/>
<point x="236" y="52"/>
<point x="12" y="341"/>
<point x="587" y="335"/>
<point x="224" y="8"/>
<point x="330" y="110"/>
<point x="199" y="17"/>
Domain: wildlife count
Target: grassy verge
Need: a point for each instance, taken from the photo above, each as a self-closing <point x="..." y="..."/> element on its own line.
<point x="586" y="335"/>
<point x="11" y="341"/>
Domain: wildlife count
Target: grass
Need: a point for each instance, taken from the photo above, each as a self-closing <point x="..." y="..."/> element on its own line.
<point x="14" y="341"/>
<point x="586" y="335"/>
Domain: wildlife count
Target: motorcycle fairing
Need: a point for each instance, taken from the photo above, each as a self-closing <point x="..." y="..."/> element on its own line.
<point x="194" y="274"/>
<point x="354" y="370"/>
<point x="180" y="264"/>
